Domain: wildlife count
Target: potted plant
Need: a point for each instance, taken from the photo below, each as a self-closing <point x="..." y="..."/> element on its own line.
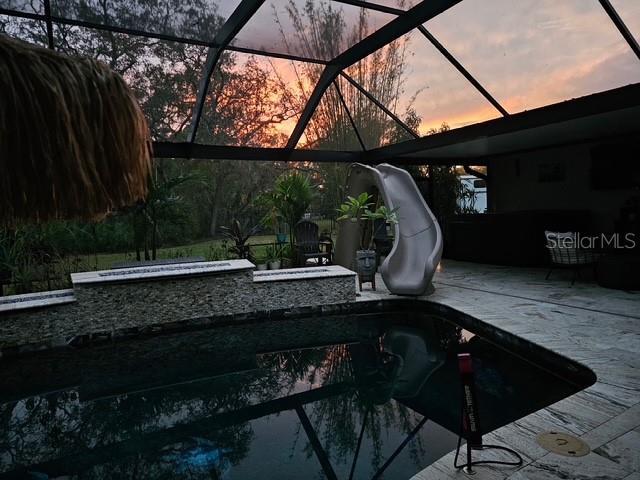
<point x="358" y="210"/>
<point x="286" y="255"/>
<point x="261" y="260"/>
<point x="274" y="254"/>
<point x="273" y="218"/>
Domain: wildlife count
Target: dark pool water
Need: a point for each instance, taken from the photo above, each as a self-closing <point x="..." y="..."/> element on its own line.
<point x="285" y="399"/>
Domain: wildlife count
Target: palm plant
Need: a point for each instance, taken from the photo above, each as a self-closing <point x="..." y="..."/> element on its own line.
<point x="358" y="210"/>
<point x="273" y="253"/>
<point x="289" y="200"/>
<point x="162" y="203"/>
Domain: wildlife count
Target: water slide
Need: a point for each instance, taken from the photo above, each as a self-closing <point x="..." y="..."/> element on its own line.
<point x="417" y="245"/>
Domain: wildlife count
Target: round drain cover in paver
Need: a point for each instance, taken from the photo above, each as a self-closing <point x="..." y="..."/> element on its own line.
<point x="563" y="444"/>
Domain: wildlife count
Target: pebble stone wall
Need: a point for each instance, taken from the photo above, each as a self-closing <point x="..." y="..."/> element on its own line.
<point x="113" y="305"/>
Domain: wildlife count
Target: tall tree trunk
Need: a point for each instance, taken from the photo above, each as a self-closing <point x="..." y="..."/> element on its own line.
<point x="154" y="239"/>
<point x="154" y="230"/>
<point x="215" y="211"/>
<point x="213" y="223"/>
<point x="146" y="240"/>
<point x="137" y="237"/>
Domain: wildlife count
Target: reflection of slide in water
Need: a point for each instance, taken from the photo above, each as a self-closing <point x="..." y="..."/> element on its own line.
<point x="408" y="358"/>
<point x="421" y="356"/>
<point x="417" y="246"/>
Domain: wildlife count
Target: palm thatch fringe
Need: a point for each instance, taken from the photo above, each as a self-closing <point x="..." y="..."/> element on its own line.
<point x="73" y="141"/>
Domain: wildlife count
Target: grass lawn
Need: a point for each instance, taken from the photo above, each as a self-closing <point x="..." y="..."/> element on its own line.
<point x="103" y="261"/>
<point x="56" y="275"/>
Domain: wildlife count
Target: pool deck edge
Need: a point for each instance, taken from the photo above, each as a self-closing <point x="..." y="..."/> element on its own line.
<point x="605" y="415"/>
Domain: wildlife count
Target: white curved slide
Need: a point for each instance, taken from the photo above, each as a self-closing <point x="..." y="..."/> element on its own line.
<point x="417" y="246"/>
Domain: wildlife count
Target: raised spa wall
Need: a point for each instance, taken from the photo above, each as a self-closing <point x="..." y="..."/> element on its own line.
<point x="113" y="303"/>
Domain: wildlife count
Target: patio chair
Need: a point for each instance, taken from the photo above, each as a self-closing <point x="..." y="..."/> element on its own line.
<point x="564" y="252"/>
<point x="308" y="245"/>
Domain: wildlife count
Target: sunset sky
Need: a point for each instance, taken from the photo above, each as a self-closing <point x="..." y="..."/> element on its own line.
<point x="526" y="53"/>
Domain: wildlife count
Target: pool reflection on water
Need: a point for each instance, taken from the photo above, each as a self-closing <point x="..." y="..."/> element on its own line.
<point x="289" y="399"/>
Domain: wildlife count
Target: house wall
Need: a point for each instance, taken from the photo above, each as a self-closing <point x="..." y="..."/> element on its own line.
<point x="515" y="185"/>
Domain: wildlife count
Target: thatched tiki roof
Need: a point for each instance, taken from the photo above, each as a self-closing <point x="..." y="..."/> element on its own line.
<point x="73" y="140"/>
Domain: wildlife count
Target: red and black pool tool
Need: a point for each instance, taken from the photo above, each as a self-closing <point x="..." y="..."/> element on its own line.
<point x="471" y="430"/>
<point x="470" y="415"/>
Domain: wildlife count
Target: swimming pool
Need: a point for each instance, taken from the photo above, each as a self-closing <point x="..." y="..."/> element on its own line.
<point x="371" y="388"/>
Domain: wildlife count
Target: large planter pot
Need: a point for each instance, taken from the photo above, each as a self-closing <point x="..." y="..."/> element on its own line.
<point x="261" y="266"/>
<point x="274" y="265"/>
<point x="366" y="267"/>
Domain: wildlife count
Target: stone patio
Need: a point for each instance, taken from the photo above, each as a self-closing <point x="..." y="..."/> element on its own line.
<point x="595" y="326"/>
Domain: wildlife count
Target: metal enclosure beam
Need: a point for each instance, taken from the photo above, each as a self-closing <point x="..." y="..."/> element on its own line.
<point x="226" y="152"/>
<point x="422" y="12"/>
<point x="240" y="16"/>
<point x="597" y="103"/>
<point x="372" y="6"/>
<point x="620" y="25"/>
<point x="47" y="14"/>
<point x="434" y="41"/>
<point x="230" y="29"/>
<point x="380" y="105"/>
<point x="404" y="23"/>
<point x="465" y="73"/>
<point x="83" y="458"/>
<point x="327" y="77"/>
<point x="351" y="120"/>
<point x="441" y="48"/>
<point x="158" y="36"/>
<point x="316" y="444"/>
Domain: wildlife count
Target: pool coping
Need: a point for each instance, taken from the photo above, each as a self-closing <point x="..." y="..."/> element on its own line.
<point x="13" y="303"/>
<point x="159" y="272"/>
<point x="299" y="274"/>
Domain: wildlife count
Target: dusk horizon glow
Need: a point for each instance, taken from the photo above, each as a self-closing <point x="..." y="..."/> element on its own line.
<point x="526" y="54"/>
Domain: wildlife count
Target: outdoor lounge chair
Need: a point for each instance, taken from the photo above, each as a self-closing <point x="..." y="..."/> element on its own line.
<point x="308" y="245"/>
<point x="565" y="252"/>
